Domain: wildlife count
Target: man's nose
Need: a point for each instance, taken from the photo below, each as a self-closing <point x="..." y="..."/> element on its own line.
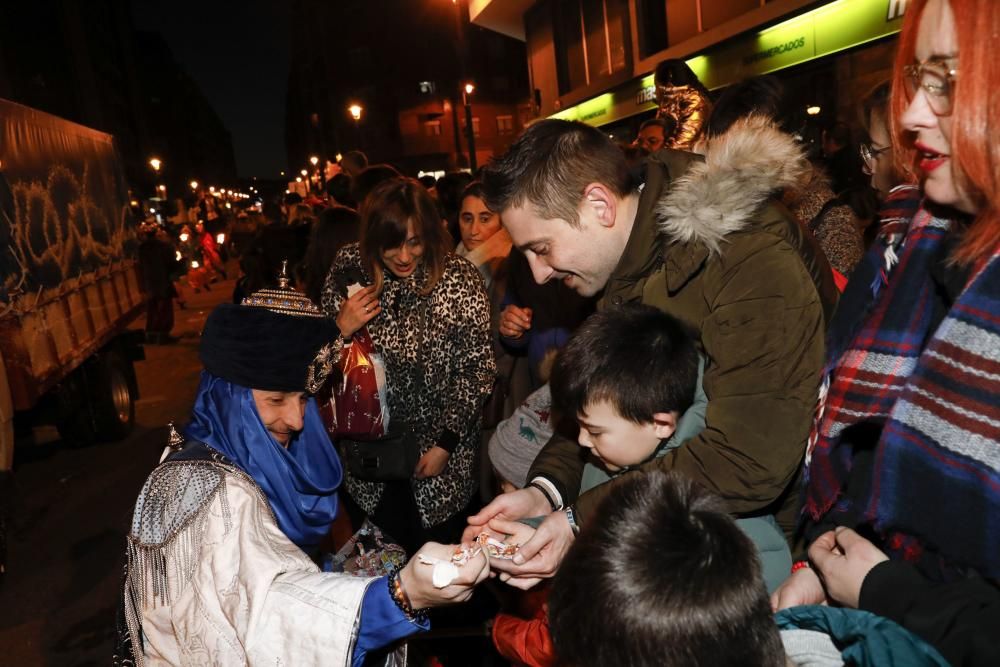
<point x="294" y="415"/>
<point x="539" y="269"/>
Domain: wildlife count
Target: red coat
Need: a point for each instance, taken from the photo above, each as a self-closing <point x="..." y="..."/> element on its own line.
<point x="525" y="642"/>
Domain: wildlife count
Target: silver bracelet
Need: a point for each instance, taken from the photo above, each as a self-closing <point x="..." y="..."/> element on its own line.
<point x="571" y="517"/>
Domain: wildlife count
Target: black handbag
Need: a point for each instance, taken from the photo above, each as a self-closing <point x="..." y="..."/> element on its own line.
<point x="389" y="458"/>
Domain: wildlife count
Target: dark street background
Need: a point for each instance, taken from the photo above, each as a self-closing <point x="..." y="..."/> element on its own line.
<point x="72" y="507"/>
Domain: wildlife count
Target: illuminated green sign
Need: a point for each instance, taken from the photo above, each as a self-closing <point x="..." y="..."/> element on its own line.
<point x="834" y="27"/>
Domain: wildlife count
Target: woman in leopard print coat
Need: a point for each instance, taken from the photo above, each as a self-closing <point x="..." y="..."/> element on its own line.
<point x="428" y="314"/>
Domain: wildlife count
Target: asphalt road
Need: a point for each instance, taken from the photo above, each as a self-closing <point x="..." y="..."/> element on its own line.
<point x="72" y="507"/>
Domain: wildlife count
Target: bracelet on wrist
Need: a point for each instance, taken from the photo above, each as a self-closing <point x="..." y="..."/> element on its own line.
<point x="402" y="600"/>
<point x="548" y="497"/>
<point x="571" y="517"/>
<point x="800" y="565"/>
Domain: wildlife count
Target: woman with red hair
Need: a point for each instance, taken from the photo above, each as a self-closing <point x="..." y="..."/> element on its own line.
<point x="902" y="491"/>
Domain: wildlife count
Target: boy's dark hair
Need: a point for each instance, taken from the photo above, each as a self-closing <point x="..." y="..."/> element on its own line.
<point x="636" y="357"/>
<point x="662" y="576"/>
<point x="550" y="165"/>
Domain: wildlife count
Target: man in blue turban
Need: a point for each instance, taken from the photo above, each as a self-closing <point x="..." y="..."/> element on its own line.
<point x="220" y="563"/>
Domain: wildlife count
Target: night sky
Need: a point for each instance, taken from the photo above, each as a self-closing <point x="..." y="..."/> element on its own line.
<point x="238" y="54"/>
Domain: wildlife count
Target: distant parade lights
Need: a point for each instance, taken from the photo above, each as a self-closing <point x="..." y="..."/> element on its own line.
<point x="314" y="160"/>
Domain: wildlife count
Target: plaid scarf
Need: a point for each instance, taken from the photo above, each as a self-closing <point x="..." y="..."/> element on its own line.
<point x="935" y="485"/>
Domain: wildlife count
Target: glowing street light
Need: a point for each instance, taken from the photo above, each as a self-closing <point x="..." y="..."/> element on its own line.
<point x="194" y="185"/>
<point x="470" y="132"/>
<point x="298" y="179"/>
<point x="155" y="163"/>
<point x="355" y="111"/>
<point x="211" y="189"/>
<point x="813" y="110"/>
<point x="304" y="173"/>
<point x="314" y="160"/>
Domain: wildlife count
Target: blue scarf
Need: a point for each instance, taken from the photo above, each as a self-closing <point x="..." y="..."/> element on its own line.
<point x="300" y="482"/>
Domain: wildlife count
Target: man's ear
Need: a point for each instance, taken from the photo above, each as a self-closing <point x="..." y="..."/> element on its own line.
<point x="664" y="424"/>
<point x="602" y="204"/>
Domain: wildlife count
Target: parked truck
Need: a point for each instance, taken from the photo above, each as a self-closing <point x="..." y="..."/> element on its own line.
<point x="68" y="285"/>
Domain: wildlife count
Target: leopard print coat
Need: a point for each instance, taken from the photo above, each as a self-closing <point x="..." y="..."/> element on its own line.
<point x="439" y="368"/>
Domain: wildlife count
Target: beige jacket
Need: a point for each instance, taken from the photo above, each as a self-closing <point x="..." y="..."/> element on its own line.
<point x="212" y="580"/>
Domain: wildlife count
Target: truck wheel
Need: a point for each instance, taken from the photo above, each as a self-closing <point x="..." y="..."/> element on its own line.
<point x="113" y="397"/>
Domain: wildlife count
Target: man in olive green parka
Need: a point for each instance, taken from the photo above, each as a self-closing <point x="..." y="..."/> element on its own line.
<point x="706" y="240"/>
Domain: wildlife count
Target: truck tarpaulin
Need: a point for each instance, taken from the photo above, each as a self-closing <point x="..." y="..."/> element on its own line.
<point x="63" y="202"/>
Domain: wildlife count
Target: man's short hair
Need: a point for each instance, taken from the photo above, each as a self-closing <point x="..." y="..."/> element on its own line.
<point x="354" y="160"/>
<point x="638" y="358"/>
<point x="550" y="165"/>
<point x="665" y="124"/>
<point x="662" y="576"/>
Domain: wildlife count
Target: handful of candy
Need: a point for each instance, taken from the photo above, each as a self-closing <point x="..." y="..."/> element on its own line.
<point x="446" y="571"/>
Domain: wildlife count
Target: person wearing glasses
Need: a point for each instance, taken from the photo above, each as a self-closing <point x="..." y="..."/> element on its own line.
<point x="902" y="488"/>
<point x="654" y="132"/>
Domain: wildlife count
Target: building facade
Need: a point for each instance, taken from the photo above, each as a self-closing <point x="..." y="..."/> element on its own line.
<point x="592" y="60"/>
<point x="407" y="84"/>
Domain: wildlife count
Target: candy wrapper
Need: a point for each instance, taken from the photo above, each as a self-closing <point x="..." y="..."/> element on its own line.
<point x="446" y="571"/>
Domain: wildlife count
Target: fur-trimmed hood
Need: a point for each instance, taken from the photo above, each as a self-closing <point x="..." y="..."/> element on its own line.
<point x="741" y="170"/>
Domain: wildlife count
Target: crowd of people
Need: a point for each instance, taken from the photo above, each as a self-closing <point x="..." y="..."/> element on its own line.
<point x="710" y="421"/>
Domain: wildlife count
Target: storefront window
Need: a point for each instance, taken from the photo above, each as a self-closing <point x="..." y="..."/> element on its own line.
<point x="592" y="41"/>
<point x="652" y="24"/>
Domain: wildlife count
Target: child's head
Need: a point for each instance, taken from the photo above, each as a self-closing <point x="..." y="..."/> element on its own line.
<point x="662" y="576"/>
<point x="626" y="374"/>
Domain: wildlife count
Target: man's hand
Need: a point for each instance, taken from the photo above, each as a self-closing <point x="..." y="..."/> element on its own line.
<point x="844" y="559"/>
<point x="520" y="504"/>
<point x="416" y="578"/>
<point x="357" y="311"/>
<point x="802" y="587"/>
<point x="538" y="558"/>
<point x="432" y="463"/>
<point x="514" y="321"/>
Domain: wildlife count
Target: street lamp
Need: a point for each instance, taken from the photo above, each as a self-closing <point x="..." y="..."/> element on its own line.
<point x="194" y="185"/>
<point x="469" y="131"/>
<point x="156" y="163"/>
<point x="356" y="110"/>
<point x="314" y="160"/>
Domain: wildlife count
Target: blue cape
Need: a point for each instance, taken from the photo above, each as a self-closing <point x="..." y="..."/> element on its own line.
<point x="300" y="482"/>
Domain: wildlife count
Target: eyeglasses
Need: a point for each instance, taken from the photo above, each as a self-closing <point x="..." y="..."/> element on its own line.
<point x="936" y="79"/>
<point x="868" y="156"/>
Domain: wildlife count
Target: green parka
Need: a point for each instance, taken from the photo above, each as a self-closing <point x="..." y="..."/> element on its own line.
<point x="712" y="246"/>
